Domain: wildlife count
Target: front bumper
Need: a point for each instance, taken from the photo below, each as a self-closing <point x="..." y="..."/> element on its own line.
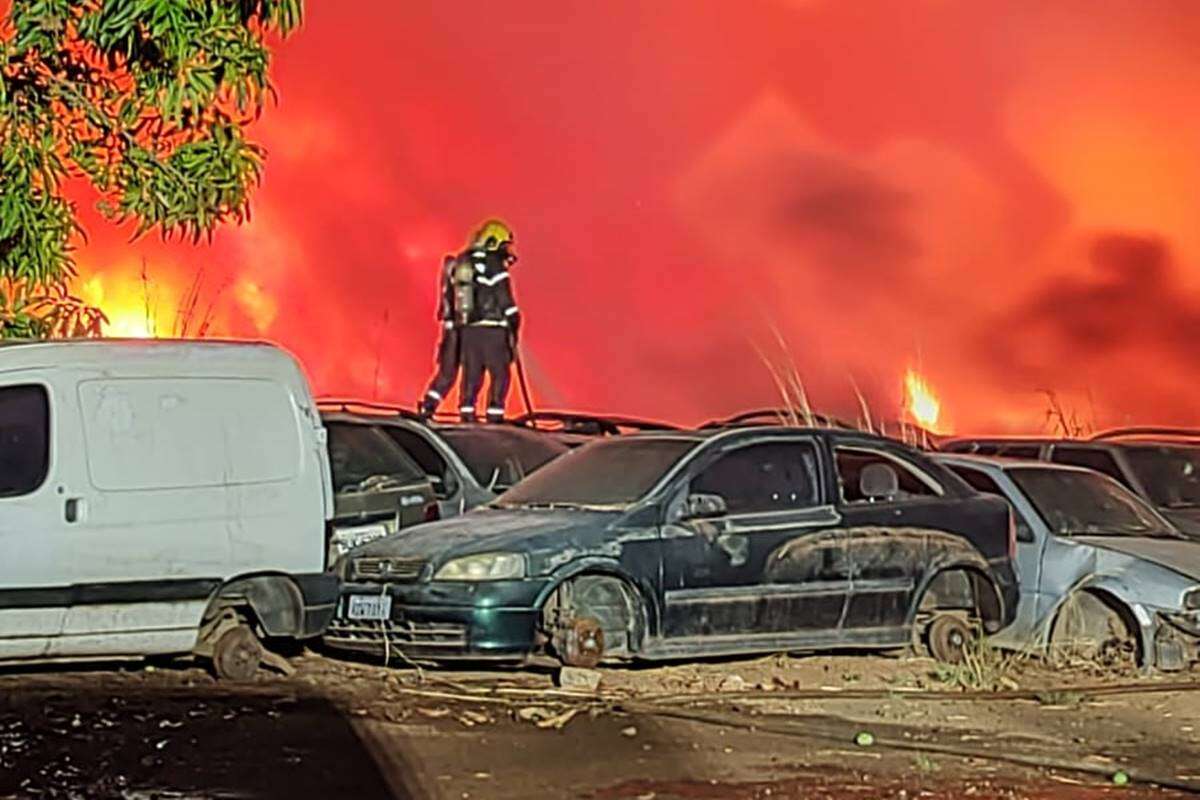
<point x="1176" y="640"/>
<point x="444" y="620"/>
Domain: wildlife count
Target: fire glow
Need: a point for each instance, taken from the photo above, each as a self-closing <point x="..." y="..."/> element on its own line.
<point x="999" y="197"/>
<point x="125" y="305"/>
<point x="921" y="404"/>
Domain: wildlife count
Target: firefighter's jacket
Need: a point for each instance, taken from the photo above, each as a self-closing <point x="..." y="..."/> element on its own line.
<point x="490" y="301"/>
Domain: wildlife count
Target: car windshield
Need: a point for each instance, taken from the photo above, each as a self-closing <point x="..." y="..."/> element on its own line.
<point x="499" y="458"/>
<point x="613" y="472"/>
<point x="1081" y="503"/>
<point x="1170" y="474"/>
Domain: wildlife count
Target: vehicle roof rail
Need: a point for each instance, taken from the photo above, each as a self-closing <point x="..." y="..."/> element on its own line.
<point x="775" y="416"/>
<point x="602" y="424"/>
<point x="1147" y="432"/>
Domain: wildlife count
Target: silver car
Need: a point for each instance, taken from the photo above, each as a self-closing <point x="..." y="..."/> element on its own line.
<point x="1098" y="567"/>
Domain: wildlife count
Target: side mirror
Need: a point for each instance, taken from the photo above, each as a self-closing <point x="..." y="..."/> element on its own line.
<point x="704" y="506"/>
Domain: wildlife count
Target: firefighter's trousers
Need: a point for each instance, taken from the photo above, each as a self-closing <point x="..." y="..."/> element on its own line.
<point x="485" y="348"/>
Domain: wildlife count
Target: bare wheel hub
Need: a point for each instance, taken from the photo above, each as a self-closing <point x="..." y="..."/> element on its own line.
<point x="948" y="639"/>
<point x="580" y="643"/>
<point x="237" y="654"/>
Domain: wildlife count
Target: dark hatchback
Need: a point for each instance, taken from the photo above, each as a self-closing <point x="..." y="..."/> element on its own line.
<point x="679" y="544"/>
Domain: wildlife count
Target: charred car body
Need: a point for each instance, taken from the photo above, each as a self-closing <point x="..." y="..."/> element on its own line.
<point x="1098" y="567"/>
<point x="673" y="544"/>
<point x="1159" y="465"/>
<point x="467" y="465"/>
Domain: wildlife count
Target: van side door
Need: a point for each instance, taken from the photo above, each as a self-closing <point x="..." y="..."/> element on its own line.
<point x="34" y="579"/>
<point x="190" y="480"/>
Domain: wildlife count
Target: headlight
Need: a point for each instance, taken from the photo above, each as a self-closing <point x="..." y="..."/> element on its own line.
<point x="483" y="567"/>
<point x="344" y="540"/>
<point x="1191" y="599"/>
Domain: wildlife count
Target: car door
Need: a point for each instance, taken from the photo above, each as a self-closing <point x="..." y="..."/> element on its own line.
<point x="772" y="565"/>
<point x="34" y="570"/>
<point x="887" y="537"/>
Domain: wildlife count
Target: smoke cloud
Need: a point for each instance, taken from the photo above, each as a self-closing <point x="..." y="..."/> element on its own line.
<point x="1001" y="197"/>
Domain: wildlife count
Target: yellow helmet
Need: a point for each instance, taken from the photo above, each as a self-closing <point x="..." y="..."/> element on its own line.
<point x="494" y="230"/>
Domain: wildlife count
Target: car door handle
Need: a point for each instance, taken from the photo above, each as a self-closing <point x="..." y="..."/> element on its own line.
<point x="73" y="509"/>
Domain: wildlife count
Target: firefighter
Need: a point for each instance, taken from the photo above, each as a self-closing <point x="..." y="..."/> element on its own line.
<point x="491" y="323"/>
<point x="448" y="350"/>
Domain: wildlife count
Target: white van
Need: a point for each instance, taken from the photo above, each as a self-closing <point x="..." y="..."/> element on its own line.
<point x="159" y="497"/>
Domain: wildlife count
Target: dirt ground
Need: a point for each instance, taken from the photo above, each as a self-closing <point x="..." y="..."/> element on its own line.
<point x="837" y="727"/>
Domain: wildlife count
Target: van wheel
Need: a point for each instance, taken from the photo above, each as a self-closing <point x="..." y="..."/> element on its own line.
<point x="237" y="654"/>
<point x="948" y="637"/>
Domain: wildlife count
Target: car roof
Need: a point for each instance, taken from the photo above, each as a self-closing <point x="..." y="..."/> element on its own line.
<point x="1119" y="440"/>
<point x="1003" y="464"/>
<point x="751" y="431"/>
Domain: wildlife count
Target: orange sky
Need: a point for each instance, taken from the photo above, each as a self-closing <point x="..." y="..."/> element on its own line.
<point x="1002" y="197"/>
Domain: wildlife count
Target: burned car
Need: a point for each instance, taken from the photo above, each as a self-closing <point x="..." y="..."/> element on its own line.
<point x="1159" y="465"/>
<point x="468" y="465"/>
<point x="1099" y="568"/>
<point x="377" y="488"/>
<point x="662" y="545"/>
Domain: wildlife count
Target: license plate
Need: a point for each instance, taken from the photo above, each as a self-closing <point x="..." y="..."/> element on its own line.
<point x="370" y="606"/>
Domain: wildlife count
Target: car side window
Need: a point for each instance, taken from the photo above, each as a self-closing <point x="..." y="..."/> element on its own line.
<point x="1020" y="451"/>
<point x="358" y="452"/>
<point x="854" y="462"/>
<point x="24" y="439"/>
<point x="773" y="476"/>
<point x="422" y="452"/>
<point x="982" y="482"/>
<point x="979" y="481"/>
<point x="1090" y="457"/>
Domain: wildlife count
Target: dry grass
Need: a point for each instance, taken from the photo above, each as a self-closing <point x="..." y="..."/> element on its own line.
<point x="796" y="407"/>
<point x="193" y="318"/>
<point x="984" y="668"/>
<point x="1065" y="422"/>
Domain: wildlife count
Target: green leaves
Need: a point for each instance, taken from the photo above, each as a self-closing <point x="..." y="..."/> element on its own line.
<point x="147" y="99"/>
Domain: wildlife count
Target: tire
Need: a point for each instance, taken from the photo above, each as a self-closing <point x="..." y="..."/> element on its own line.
<point x="948" y="637"/>
<point x="1089" y="628"/>
<point x="237" y="654"/>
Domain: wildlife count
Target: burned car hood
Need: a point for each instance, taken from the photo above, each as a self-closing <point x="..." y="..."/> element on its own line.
<point x="494" y="530"/>
<point x="1179" y="555"/>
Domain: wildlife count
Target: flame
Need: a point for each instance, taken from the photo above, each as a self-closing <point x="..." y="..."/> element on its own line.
<point x="129" y="314"/>
<point x="922" y="404"/>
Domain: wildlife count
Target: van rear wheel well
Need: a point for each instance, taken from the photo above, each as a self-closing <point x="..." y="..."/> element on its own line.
<point x="273" y="602"/>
